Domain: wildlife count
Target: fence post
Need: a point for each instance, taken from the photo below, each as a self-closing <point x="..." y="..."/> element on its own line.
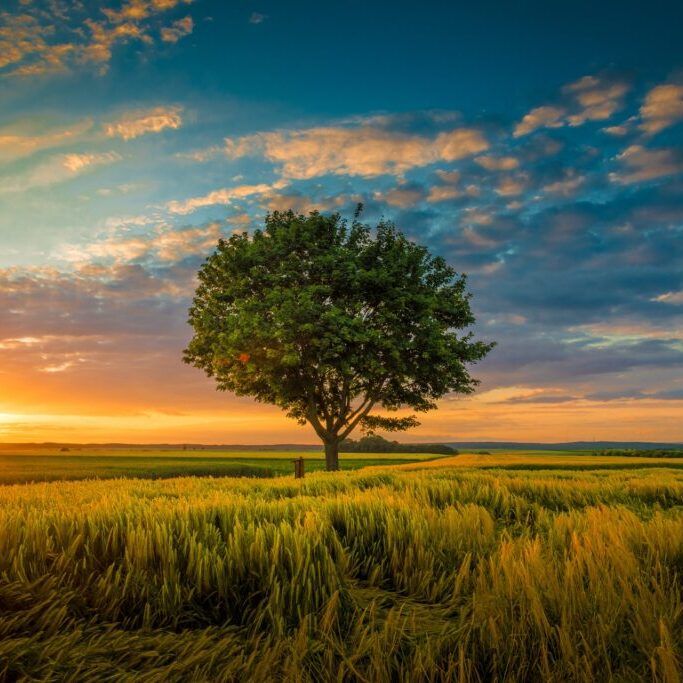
<point x="298" y="468"/>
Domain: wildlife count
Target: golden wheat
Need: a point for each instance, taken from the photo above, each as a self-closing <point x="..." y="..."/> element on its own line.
<point x="377" y="575"/>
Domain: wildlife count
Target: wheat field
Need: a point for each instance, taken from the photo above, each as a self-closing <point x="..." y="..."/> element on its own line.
<point x="437" y="573"/>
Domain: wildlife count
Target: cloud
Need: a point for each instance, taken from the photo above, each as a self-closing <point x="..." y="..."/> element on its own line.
<point x="57" y="169"/>
<point x="540" y="117"/>
<point x="663" y="106"/>
<point x="598" y="98"/>
<point x="357" y="151"/>
<point x="201" y="155"/>
<point x="257" y="18"/>
<point x="443" y="193"/>
<point x="567" y="186"/>
<point x="20" y="36"/>
<point x="401" y="196"/>
<point x="177" y="30"/>
<point x="618" y="131"/>
<point x="136" y="10"/>
<point x="645" y="164"/>
<point x="301" y="203"/>
<point x="491" y="163"/>
<point x="133" y="124"/>
<point x="670" y="298"/>
<point x="223" y="196"/>
<point x="63" y="366"/>
<point x="165" y="244"/>
<point x="34" y="42"/>
<point x="511" y="186"/>
<point x="591" y="98"/>
<point x="75" y="163"/>
<point x="19" y="141"/>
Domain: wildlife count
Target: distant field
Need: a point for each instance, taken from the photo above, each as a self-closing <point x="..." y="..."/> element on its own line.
<point x="36" y="465"/>
<point x="51" y="465"/>
<point x="541" y="460"/>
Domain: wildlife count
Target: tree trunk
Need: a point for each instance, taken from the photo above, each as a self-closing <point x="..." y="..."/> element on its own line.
<point x="331" y="456"/>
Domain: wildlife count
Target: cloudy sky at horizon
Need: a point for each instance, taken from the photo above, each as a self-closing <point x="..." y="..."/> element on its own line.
<point x="538" y="148"/>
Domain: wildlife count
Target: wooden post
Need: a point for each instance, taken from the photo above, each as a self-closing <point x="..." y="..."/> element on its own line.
<point x="298" y="468"/>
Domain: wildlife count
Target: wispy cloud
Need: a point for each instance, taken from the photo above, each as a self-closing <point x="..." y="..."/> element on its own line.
<point x="164" y="244"/>
<point x="133" y="124"/>
<point x="58" y="169"/>
<point x="223" y="196"/>
<point x="20" y="141"/>
<point x="674" y="298"/>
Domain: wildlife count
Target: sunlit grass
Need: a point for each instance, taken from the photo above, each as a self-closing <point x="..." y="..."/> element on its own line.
<point x="443" y="573"/>
<point x="33" y="466"/>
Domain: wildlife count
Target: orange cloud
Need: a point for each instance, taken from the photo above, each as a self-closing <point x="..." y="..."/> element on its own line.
<point x="401" y="196"/>
<point x="567" y="186"/>
<point x="647" y="164"/>
<point x="663" y="106"/>
<point x="178" y="29"/>
<point x="591" y="98"/>
<point x="57" y="169"/>
<point x="28" y="48"/>
<point x="491" y="163"/>
<point x="511" y="186"/>
<point x="222" y="196"/>
<point x="19" y="141"/>
<point x="362" y="151"/>
<point x="599" y="99"/>
<point x="540" y="117"/>
<point x="442" y="193"/>
<point x="133" y="124"/>
<point x="136" y="10"/>
<point x="165" y="244"/>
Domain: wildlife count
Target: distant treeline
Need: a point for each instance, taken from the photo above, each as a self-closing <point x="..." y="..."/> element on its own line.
<point x="650" y="453"/>
<point x="377" y="444"/>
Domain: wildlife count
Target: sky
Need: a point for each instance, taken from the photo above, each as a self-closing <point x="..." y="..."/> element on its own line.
<point x="537" y="146"/>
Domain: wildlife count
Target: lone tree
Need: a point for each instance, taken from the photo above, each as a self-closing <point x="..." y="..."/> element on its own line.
<point x="329" y="321"/>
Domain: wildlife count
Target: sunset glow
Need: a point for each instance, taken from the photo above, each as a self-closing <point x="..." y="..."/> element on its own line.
<point x="134" y="135"/>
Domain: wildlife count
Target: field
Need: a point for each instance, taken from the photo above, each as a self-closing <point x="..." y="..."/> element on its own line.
<point x="517" y="567"/>
<point x="34" y="465"/>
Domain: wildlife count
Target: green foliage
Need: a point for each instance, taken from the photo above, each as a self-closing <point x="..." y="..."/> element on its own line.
<point x="373" y="443"/>
<point x="441" y="574"/>
<point x="330" y="321"/>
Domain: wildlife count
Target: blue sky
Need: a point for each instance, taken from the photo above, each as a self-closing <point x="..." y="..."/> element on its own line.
<point x="537" y="146"/>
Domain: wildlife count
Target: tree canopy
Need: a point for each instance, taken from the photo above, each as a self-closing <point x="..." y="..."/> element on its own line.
<point x="332" y="321"/>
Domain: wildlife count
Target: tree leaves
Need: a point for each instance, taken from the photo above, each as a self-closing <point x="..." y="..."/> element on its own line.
<point x="329" y="321"/>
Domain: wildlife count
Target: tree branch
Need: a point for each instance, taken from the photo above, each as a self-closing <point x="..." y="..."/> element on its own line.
<point x="312" y="417"/>
<point x="359" y="416"/>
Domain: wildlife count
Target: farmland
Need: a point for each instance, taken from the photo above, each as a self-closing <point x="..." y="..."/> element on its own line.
<point x="20" y="466"/>
<point x="475" y="567"/>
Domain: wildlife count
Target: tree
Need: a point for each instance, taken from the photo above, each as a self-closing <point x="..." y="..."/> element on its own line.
<point x="331" y="321"/>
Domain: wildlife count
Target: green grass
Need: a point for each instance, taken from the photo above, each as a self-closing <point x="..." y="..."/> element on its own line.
<point x="156" y="464"/>
<point x="433" y="571"/>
